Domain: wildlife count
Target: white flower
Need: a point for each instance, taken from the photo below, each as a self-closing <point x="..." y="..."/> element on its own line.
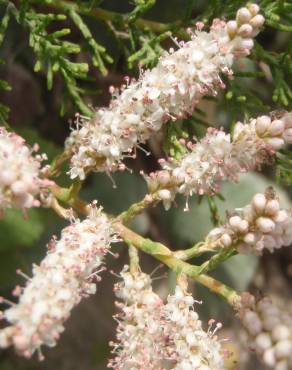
<point x="216" y="158"/>
<point x="20" y="173"/>
<point x="189" y="346"/>
<point x="140" y="338"/>
<point x="269" y="330"/>
<point x="169" y="91"/>
<point x="68" y="273"/>
<point x="261" y="225"/>
<point x="156" y="336"/>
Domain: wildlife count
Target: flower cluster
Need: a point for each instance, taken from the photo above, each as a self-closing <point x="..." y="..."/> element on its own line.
<point x="67" y="274"/>
<point x="189" y="346"/>
<point x="261" y="225"/>
<point x="269" y="330"/>
<point x="169" y="91"/>
<point x="20" y="173"/>
<point x="139" y="332"/>
<point x="216" y="157"/>
<point x="156" y="336"/>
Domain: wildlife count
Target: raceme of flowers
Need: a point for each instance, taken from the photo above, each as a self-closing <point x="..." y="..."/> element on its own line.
<point x="21" y="177"/>
<point x="68" y="273"/>
<point x="261" y="225"/>
<point x="169" y="91"/>
<point x="139" y="331"/>
<point x="269" y="329"/>
<point x="216" y="157"/>
<point x="189" y="345"/>
<point x="156" y="336"/>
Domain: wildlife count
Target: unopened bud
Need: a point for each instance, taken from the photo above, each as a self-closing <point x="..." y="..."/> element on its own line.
<point x="245" y="30"/>
<point x="253" y="8"/>
<point x="257" y="21"/>
<point x="164" y="194"/>
<point x="243" y="15"/>
<point x="249" y="238"/>
<point x="262" y="124"/>
<point x="276" y="143"/>
<point x="266" y="225"/>
<point x="287" y="136"/>
<point x="259" y="202"/>
<point x="226" y="240"/>
<point x="272" y="207"/>
<point x="277" y="127"/>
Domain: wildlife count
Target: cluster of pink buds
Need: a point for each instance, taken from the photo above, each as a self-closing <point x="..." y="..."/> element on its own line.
<point x="21" y="179"/>
<point x="216" y="157"/>
<point x="261" y="225"/>
<point x="156" y="336"/>
<point x="169" y="91"/>
<point x="246" y="26"/>
<point x="68" y="273"/>
<point x="262" y="137"/>
<point x="269" y="330"/>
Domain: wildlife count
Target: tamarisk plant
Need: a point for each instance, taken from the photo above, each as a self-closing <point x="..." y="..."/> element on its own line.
<point x="152" y="333"/>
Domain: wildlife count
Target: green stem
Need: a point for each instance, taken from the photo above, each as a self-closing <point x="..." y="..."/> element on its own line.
<point x="136" y="208"/>
<point x="134" y="260"/>
<point x="165" y="255"/>
<point x="214" y="261"/>
<point x="195" y="251"/>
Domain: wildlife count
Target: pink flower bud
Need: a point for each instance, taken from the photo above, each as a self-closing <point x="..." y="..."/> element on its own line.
<point x="276" y="143"/>
<point x="164" y="194"/>
<point x="266" y="225"/>
<point x="272" y="207"/>
<point x="234" y="222"/>
<point x="263" y="341"/>
<point x="287" y="136"/>
<point x="280" y="216"/>
<point x="246" y="44"/>
<point x="163" y="177"/>
<point x="245" y="30"/>
<point x="262" y="124"/>
<point x="280" y="332"/>
<point x="232" y="28"/>
<point x="249" y="238"/>
<point x="277" y="127"/>
<point x="243" y="15"/>
<point x="283" y="348"/>
<point x="243" y="226"/>
<point x="253" y="8"/>
<point x="269" y="357"/>
<point x="257" y="21"/>
<point x="287" y="118"/>
<point x="226" y="240"/>
<point x="259" y="202"/>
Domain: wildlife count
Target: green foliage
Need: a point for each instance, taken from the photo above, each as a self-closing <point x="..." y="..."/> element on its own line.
<point x="140" y="40"/>
<point x="4" y="110"/>
<point x="284" y="167"/>
<point x="19" y="229"/>
<point x="52" y="53"/>
<point x="172" y="145"/>
<point x="4" y="86"/>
